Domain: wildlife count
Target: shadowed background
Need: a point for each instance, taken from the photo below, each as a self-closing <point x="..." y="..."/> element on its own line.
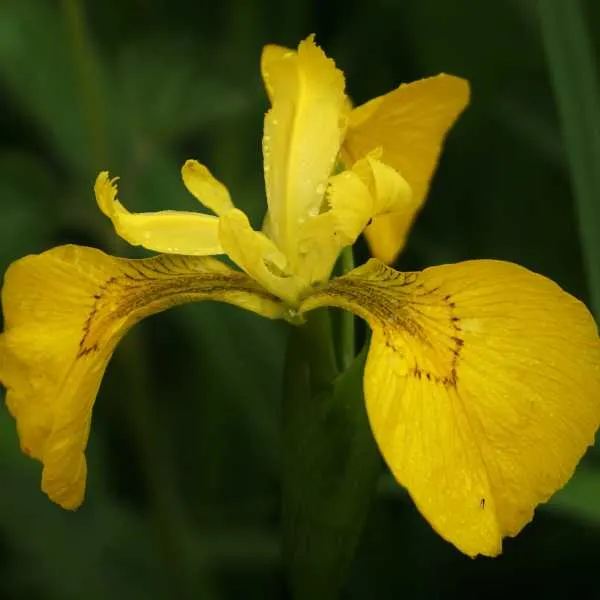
<point x="182" y="498"/>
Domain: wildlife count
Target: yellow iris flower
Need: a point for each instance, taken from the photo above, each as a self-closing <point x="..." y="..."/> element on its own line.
<point x="482" y="381"/>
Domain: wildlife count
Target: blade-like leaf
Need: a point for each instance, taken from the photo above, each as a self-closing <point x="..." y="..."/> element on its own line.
<point x="573" y="74"/>
<point x="330" y="469"/>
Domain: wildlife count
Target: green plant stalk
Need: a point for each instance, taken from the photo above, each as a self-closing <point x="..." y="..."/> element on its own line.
<point x="573" y="75"/>
<point x="330" y="466"/>
<point x="316" y="340"/>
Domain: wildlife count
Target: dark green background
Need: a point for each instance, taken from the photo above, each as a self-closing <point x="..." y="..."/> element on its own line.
<point x="182" y="497"/>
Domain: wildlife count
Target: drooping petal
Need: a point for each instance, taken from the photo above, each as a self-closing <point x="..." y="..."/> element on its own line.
<point x="409" y="124"/>
<point x="482" y="387"/>
<point x="302" y="135"/>
<point x="205" y="188"/>
<point x="65" y="311"/>
<point x="256" y="254"/>
<point x="169" y="231"/>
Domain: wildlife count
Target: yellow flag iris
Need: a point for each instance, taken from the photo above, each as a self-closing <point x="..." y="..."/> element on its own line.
<point x="482" y="381"/>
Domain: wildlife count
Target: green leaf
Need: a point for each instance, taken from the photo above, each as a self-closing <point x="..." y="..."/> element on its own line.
<point x="573" y="73"/>
<point x="330" y="470"/>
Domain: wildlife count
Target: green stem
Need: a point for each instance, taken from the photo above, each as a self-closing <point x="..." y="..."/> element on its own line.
<point x="316" y="338"/>
<point x="330" y="465"/>
<point x="347" y="324"/>
<point x="573" y="74"/>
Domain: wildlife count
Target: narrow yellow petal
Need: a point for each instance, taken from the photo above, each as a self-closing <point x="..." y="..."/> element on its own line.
<point x="64" y="312"/>
<point x="256" y="254"/>
<point x="409" y="124"/>
<point x="204" y="187"/>
<point x="482" y="387"/>
<point x="302" y="136"/>
<point x="172" y="232"/>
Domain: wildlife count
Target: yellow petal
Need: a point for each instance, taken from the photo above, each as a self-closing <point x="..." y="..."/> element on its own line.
<point x="302" y="136"/>
<point x="205" y="188"/>
<point x="256" y="254"/>
<point x="64" y="312"/>
<point x="482" y="387"/>
<point x="271" y="54"/>
<point x="369" y="191"/>
<point x="320" y="240"/>
<point x="173" y="232"/>
<point x="351" y="202"/>
<point x="409" y="124"/>
<point x="355" y="197"/>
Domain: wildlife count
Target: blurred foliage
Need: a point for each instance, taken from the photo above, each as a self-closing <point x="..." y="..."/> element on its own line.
<point x="183" y="494"/>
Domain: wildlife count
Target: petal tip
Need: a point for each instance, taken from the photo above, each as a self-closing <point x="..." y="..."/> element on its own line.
<point x="459" y="87"/>
<point x="201" y="183"/>
<point x="105" y="190"/>
<point x="189" y="166"/>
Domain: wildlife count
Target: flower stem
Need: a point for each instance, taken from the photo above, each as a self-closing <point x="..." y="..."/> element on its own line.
<point x="330" y="466"/>
<point x="316" y="338"/>
<point x="573" y="75"/>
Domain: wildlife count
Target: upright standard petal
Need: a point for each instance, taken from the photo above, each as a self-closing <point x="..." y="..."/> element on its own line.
<point x="271" y="54"/>
<point x="302" y="136"/>
<point x="65" y="311"/>
<point x="169" y="231"/>
<point x="409" y="124"/>
<point x="482" y="387"/>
